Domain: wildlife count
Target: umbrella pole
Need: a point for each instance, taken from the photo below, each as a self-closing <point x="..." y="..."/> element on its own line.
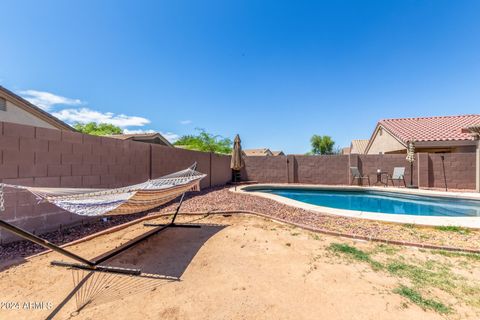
<point x="411" y="185"/>
<point x="411" y="173"/>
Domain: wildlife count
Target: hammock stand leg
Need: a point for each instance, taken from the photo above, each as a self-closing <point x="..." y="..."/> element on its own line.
<point x="44" y="243"/>
<point x="84" y="263"/>
<point x="172" y="223"/>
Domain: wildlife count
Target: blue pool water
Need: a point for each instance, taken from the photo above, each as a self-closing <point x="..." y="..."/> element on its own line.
<point x="382" y="202"/>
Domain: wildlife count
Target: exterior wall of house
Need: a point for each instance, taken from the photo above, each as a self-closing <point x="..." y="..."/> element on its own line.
<point x="35" y="156"/>
<point x="16" y="114"/>
<point x="384" y="142"/>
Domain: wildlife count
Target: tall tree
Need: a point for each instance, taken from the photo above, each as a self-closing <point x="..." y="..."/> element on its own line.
<point x="97" y="129"/>
<point x="322" y="144"/>
<point x="204" y="141"/>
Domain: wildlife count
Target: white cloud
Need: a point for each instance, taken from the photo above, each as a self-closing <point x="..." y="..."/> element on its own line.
<point x="128" y="131"/>
<point x="85" y="115"/>
<point x="185" y="122"/>
<point x="170" y="136"/>
<point x="46" y="100"/>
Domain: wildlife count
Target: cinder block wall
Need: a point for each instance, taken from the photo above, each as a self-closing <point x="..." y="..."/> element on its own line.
<point x="321" y="170"/>
<point x="266" y="169"/>
<point x="220" y="172"/>
<point x="166" y="160"/>
<point x="369" y="164"/>
<point x="42" y="157"/>
<point x="457" y="170"/>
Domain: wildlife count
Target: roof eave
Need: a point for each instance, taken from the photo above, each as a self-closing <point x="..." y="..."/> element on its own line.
<point x="36" y="111"/>
<point x="445" y="143"/>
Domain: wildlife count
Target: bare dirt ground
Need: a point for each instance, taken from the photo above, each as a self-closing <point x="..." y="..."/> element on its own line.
<point x="244" y="267"/>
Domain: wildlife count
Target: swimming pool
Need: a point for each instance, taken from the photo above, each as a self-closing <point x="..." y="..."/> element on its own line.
<point x="375" y="201"/>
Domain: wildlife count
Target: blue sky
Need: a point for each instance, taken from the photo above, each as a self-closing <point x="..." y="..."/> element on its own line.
<point x="276" y="72"/>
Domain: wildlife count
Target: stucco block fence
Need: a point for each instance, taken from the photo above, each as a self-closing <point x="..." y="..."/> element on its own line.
<point x="35" y="156"/>
<point x="455" y="170"/>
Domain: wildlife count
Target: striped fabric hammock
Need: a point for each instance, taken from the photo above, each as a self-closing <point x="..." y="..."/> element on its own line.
<point x="132" y="199"/>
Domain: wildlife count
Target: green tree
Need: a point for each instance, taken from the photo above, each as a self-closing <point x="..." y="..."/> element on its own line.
<point x="97" y="129"/>
<point x="204" y="141"/>
<point x="322" y="144"/>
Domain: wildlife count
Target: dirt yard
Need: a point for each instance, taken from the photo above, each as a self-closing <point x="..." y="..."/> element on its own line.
<point x="246" y="267"/>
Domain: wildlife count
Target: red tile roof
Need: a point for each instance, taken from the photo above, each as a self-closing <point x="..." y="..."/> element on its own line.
<point x="257" y="152"/>
<point x="446" y="128"/>
<point x="358" y="146"/>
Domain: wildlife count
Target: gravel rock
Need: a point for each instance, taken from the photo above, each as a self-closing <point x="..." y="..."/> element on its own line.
<point x="221" y="199"/>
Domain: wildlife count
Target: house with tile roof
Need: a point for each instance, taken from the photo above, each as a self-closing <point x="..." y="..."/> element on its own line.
<point x="16" y="109"/>
<point x="261" y="152"/>
<point x="153" y="137"/>
<point x="358" y="146"/>
<point x="443" y="134"/>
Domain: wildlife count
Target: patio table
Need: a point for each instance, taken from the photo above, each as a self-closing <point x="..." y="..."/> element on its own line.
<point x="380" y="175"/>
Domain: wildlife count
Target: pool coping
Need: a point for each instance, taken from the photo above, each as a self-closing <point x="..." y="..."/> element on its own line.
<point x="467" y="222"/>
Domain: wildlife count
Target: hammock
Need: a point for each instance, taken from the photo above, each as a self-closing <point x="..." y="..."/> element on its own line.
<point x="95" y="202"/>
<point x="125" y="200"/>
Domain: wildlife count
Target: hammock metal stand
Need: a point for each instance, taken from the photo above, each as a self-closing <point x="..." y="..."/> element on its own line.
<point x="172" y="223"/>
<point x="95" y="265"/>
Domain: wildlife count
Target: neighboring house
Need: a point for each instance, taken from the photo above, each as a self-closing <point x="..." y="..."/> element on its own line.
<point x="430" y="134"/>
<point x="257" y="152"/>
<point x="346" y="150"/>
<point x="155" y="138"/>
<point x="16" y="109"/>
<point x="278" y="153"/>
<point x="358" y="146"/>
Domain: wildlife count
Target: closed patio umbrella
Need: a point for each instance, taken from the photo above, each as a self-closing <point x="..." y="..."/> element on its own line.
<point x="411" y="158"/>
<point x="411" y="152"/>
<point x="237" y="160"/>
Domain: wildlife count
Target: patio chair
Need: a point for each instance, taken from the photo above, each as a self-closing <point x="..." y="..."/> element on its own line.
<point x="357" y="175"/>
<point x="398" y="175"/>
